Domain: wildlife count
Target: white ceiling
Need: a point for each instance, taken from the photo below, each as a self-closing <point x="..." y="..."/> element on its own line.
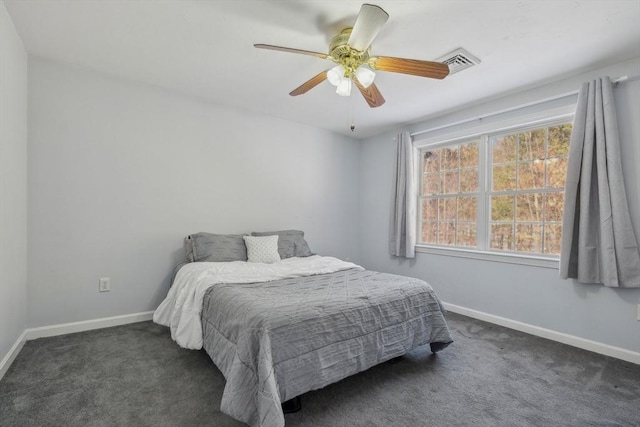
<point x="205" y="48"/>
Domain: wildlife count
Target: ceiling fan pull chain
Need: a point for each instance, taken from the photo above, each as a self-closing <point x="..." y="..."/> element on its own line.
<point x="352" y="120"/>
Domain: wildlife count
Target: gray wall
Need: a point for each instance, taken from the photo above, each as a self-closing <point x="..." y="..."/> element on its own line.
<point x="120" y="172"/>
<point x="532" y="295"/>
<point x="13" y="184"/>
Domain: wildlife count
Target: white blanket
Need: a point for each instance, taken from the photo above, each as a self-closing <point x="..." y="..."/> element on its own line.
<point x="182" y="307"/>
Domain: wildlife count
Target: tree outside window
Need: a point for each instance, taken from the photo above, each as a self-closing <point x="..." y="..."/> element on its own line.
<point x="524" y="198"/>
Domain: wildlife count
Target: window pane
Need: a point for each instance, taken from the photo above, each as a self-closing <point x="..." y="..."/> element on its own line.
<point x="504" y="177"/>
<point x="430" y="209"/>
<point x="530" y="175"/>
<point x="554" y="204"/>
<point x="469" y="180"/>
<point x="556" y="172"/>
<point x="451" y="182"/>
<point x="559" y="137"/>
<point x="531" y="145"/>
<point x="502" y="208"/>
<point x="529" y="238"/>
<point x="447" y="233"/>
<point x="469" y="155"/>
<point x="466" y="234"/>
<point x="467" y="208"/>
<point x="527" y="170"/>
<point x="431" y="161"/>
<point x="504" y="149"/>
<point x="502" y="237"/>
<point x="447" y="209"/>
<point x="449" y="158"/>
<point x="430" y="184"/>
<point x="552" y="239"/>
<point x="529" y="207"/>
<point x="430" y="232"/>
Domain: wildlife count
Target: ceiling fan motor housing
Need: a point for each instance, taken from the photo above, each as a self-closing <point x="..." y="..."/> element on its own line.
<point x="343" y="54"/>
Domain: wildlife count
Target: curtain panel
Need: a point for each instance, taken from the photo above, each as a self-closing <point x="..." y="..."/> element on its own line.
<point x="402" y="238"/>
<point x="598" y="241"/>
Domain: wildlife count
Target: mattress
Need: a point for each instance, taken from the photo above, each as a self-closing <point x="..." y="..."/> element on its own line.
<point x="278" y="339"/>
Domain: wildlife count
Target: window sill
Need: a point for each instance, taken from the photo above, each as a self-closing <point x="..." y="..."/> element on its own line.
<point x="535" y="261"/>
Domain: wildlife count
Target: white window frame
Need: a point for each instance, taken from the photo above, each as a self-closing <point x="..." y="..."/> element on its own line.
<point x="481" y="133"/>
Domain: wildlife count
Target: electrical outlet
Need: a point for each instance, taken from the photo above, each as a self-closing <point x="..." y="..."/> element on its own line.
<point x="105" y="284"/>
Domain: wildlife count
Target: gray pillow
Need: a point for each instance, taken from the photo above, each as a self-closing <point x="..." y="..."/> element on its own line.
<point x="207" y="247"/>
<point x="290" y="243"/>
<point x="188" y="248"/>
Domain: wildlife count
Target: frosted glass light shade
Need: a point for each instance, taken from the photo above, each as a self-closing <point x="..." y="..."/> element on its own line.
<point x="365" y="76"/>
<point x="344" y="88"/>
<point x="336" y="75"/>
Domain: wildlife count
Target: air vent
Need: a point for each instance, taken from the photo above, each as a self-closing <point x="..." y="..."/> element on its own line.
<point x="458" y="60"/>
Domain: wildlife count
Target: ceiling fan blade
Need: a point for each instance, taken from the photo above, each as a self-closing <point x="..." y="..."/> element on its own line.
<point x="309" y="84"/>
<point x="371" y="94"/>
<point x="288" y="49"/>
<point x="416" y="67"/>
<point x="368" y="24"/>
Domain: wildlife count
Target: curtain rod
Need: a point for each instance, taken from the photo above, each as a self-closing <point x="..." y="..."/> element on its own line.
<point x="519" y="107"/>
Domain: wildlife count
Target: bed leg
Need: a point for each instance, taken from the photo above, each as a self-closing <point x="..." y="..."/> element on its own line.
<point x="292" y="405"/>
<point x="437" y="346"/>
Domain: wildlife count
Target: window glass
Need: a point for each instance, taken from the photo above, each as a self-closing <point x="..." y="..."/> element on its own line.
<point x="523" y="203"/>
<point x="449" y="196"/>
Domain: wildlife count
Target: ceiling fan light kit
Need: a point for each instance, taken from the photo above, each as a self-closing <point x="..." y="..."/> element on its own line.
<point x="351" y="51"/>
<point x="365" y="76"/>
<point x="344" y="87"/>
<point x="336" y="75"/>
<point x="340" y="77"/>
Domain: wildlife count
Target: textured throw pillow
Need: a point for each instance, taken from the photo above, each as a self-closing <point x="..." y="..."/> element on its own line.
<point x="290" y="244"/>
<point x="207" y="247"/>
<point x="262" y="249"/>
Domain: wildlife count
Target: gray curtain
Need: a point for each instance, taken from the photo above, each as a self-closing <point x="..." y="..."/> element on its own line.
<point x="598" y="241"/>
<point x="402" y="237"/>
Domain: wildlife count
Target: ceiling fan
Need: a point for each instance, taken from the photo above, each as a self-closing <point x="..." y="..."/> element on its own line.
<point x="351" y="51"/>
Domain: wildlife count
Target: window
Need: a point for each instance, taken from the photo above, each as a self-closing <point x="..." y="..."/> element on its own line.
<point x="450" y="195"/>
<point x="497" y="192"/>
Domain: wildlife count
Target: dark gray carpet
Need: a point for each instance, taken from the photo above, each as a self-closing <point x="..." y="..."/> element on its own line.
<point x="134" y="375"/>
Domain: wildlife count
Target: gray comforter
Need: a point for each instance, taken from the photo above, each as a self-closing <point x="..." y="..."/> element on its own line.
<point x="276" y="340"/>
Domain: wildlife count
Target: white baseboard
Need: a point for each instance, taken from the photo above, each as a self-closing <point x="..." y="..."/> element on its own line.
<point x="68" y="328"/>
<point x="87" y="325"/>
<point x="597" y="347"/>
<point x="8" y="359"/>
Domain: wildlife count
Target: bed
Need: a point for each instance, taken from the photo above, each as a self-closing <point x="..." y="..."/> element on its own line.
<point x="278" y="330"/>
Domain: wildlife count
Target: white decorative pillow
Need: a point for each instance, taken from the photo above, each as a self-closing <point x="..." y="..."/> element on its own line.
<point x="262" y="249"/>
